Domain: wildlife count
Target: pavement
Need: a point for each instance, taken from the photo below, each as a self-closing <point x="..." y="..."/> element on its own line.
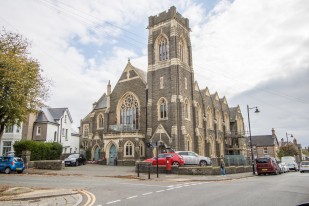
<point x="70" y="197"/>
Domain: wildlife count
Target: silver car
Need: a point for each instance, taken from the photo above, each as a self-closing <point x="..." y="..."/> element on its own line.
<point x="191" y="158"/>
<point x="304" y="166"/>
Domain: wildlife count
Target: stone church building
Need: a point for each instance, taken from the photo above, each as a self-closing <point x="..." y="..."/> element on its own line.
<point x="163" y="108"/>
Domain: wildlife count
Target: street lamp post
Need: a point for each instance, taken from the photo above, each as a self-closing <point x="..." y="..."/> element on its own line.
<point x="252" y="157"/>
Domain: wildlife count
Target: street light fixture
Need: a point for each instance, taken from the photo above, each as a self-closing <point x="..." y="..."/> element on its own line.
<point x="252" y="157"/>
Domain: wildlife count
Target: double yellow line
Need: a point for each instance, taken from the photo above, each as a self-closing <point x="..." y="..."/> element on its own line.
<point x="90" y="197"/>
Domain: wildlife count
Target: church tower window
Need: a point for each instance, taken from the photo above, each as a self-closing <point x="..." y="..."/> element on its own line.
<point x="162" y="109"/>
<point x="163" y="49"/>
<point x="129" y="113"/>
<point x="100" y="121"/>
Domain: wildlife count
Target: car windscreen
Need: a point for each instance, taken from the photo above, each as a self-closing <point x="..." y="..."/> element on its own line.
<point x="305" y="163"/>
<point x="262" y="160"/>
<point x="164" y="155"/>
<point x="74" y="156"/>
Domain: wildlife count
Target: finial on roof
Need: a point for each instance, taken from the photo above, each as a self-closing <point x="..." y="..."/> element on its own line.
<point x="109" y="82"/>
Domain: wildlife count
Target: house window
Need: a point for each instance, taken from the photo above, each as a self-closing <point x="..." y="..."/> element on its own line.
<point x="63" y="132"/>
<point x="38" y="131"/>
<point x="65" y="118"/>
<point x="66" y="135"/>
<point x="129" y="113"/>
<point x="55" y="136"/>
<point x="129" y="149"/>
<point x="265" y="150"/>
<point x="163" y="48"/>
<point x="7" y="146"/>
<point x="161" y="83"/>
<point x="162" y="108"/>
<point x="9" y="129"/>
<point x="17" y="129"/>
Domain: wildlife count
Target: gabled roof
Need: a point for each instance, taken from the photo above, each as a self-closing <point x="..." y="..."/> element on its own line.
<point x="140" y="73"/>
<point x="263" y="140"/>
<point x="52" y="115"/>
<point x="101" y="103"/>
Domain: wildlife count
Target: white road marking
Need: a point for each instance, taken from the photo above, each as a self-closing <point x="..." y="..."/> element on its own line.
<point x="160" y="191"/>
<point x="131" y="197"/>
<point x="148" y="193"/>
<point x="170" y="188"/>
<point x="113" y="202"/>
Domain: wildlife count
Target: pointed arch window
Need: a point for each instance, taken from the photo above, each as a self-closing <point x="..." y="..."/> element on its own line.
<point x="129" y="149"/>
<point x="199" y="121"/>
<point x="129" y="113"/>
<point x="100" y="121"/>
<point x="163" y="49"/>
<point x="162" y="108"/>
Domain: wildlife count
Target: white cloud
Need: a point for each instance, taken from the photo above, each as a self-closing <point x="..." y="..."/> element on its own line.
<point x="236" y="47"/>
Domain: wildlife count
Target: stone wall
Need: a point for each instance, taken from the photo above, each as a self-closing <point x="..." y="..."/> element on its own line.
<point x="143" y="167"/>
<point x="48" y="164"/>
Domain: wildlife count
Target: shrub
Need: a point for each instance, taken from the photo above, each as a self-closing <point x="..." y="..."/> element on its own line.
<point x="39" y="150"/>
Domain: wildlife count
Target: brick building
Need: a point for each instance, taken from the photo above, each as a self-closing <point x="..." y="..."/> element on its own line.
<point x="164" y="106"/>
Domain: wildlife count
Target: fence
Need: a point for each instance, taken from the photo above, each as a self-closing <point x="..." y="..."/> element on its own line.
<point x="236" y="160"/>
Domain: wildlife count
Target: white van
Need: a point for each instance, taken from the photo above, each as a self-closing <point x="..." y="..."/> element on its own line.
<point x="291" y="162"/>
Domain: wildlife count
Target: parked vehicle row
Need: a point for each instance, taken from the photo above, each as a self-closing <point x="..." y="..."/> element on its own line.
<point x="180" y="158"/>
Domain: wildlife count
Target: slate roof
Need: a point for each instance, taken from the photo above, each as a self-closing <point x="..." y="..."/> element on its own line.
<point x="141" y="73"/>
<point x="263" y="140"/>
<point x="51" y="115"/>
<point x="101" y="103"/>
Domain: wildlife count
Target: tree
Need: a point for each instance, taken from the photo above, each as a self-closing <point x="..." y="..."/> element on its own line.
<point x="22" y="88"/>
<point x="287" y="150"/>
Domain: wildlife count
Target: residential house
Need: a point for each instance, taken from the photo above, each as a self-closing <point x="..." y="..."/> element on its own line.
<point x="55" y="125"/>
<point x="294" y="144"/>
<point x="10" y="135"/>
<point x="265" y="145"/>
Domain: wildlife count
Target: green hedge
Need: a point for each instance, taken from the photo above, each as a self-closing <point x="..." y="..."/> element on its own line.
<point x="39" y="150"/>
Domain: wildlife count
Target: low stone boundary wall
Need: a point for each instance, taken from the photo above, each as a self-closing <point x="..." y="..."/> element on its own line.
<point x="47" y="164"/>
<point x="143" y="167"/>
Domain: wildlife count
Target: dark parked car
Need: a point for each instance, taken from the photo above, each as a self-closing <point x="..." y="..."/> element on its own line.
<point x="75" y="160"/>
<point x="267" y="165"/>
<point x="11" y="163"/>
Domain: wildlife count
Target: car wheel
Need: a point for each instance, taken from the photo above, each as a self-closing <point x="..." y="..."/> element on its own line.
<point x="203" y="163"/>
<point x="19" y="172"/>
<point x="175" y="163"/>
<point x="7" y="170"/>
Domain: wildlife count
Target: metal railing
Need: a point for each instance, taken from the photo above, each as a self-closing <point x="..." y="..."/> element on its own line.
<point x="123" y="127"/>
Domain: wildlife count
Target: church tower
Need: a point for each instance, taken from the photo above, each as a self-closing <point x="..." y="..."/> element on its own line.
<point x="170" y="110"/>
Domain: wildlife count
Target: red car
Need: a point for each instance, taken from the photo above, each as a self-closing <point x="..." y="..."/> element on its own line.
<point x="176" y="159"/>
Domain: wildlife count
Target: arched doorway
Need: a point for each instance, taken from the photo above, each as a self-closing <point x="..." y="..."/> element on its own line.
<point x="97" y="153"/>
<point x="112" y="154"/>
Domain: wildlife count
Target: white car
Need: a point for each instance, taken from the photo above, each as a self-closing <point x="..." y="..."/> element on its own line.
<point x="304" y="166"/>
<point x="284" y="167"/>
<point x="191" y="158"/>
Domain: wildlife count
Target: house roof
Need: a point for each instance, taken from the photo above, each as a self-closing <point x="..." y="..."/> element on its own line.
<point x="263" y="140"/>
<point x="52" y="115"/>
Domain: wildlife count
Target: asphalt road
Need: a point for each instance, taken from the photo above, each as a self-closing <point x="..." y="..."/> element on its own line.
<point x="287" y="189"/>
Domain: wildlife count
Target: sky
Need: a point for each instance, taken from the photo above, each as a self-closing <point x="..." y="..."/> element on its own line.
<point x="253" y="52"/>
